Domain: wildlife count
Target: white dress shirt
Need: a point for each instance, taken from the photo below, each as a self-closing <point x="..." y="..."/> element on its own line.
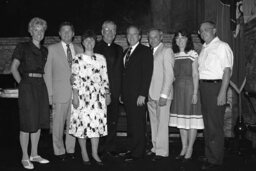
<point x="64" y="45"/>
<point x="213" y="59"/>
<point x="132" y="49"/>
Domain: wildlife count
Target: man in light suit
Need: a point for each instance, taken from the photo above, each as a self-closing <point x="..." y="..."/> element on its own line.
<point x="137" y="73"/>
<point x="160" y="94"/>
<point x="57" y="78"/>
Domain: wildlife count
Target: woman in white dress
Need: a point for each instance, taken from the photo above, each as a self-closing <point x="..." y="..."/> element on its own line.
<point x="90" y="98"/>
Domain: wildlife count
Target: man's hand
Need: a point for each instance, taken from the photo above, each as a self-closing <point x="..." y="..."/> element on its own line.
<point x="121" y="100"/>
<point x="162" y="101"/>
<point x="75" y="101"/>
<point x="221" y="99"/>
<point x="141" y="101"/>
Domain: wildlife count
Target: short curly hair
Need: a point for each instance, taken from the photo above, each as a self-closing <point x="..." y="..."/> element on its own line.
<point x="37" y="21"/>
<point x="88" y="33"/>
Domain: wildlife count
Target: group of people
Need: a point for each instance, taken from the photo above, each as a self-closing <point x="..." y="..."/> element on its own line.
<point x="85" y="85"/>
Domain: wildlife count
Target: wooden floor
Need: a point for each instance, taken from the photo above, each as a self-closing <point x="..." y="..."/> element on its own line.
<point x="11" y="155"/>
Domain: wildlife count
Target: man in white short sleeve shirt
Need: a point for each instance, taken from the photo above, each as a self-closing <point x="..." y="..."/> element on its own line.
<point x="215" y="68"/>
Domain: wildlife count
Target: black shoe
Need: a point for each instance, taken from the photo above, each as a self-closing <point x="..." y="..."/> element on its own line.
<point x="61" y="158"/>
<point x="179" y="157"/>
<point x="126" y="153"/>
<point x="209" y="166"/>
<point x="112" y="154"/>
<point x="157" y="158"/>
<point x="71" y="156"/>
<point x="150" y="153"/>
<point x="129" y="158"/>
<point x="87" y="163"/>
<point x="185" y="160"/>
<point x="202" y="159"/>
<point x="98" y="163"/>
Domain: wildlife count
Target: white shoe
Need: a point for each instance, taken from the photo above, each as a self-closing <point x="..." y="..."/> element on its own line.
<point x="39" y="159"/>
<point x="27" y="164"/>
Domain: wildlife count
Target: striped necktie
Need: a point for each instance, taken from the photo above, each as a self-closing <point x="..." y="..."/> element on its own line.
<point x="127" y="57"/>
<point x="69" y="55"/>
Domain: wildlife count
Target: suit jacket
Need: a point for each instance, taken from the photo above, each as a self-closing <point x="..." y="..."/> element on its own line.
<point x="137" y="75"/>
<point x="58" y="73"/>
<point x="114" y="56"/>
<point x="163" y="76"/>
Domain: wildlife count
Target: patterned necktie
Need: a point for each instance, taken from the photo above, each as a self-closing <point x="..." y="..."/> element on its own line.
<point x="69" y="55"/>
<point x="128" y="54"/>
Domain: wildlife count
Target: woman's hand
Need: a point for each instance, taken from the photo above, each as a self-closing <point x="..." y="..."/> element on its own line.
<point x="108" y="99"/>
<point x="194" y="99"/>
<point x="75" y="101"/>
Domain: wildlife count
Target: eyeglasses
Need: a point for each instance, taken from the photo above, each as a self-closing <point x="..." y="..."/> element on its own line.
<point x="205" y="30"/>
<point x="107" y="30"/>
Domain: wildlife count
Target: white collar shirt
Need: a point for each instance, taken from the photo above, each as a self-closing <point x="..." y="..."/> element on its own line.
<point x="64" y="45"/>
<point x="132" y="49"/>
<point x="155" y="48"/>
<point x="213" y="59"/>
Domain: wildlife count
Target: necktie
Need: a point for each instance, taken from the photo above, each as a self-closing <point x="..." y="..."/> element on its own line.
<point x="128" y="53"/>
<point x="69" y="55"/>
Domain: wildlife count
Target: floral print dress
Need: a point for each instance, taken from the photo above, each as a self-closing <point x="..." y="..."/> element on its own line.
<point x="91" y="81"/>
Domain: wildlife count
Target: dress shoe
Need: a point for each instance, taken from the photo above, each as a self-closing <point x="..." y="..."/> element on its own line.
<point x="87" y="163"/>
<point x="185" y="160"/>
<point x="157" y="158"/>
<point x="27" y="164"/>
<point x="130" y="158"/>
<point x="209" y="166"/>
<point x="38" y="159"/>
<point x="71" y="156"/>
<point x="150" y="153"/>
<point x="179" y="157"/>
<point x="98" y="163"/>
<point x="126" y="153"/>
<point x="112" y="154"/>
<point x="202" y="159"/>
<point x="61" y="158"/>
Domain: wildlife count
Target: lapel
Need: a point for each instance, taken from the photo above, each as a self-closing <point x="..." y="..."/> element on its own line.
<point x="159" y="50"/>
<point x="133" y="55"/>
<point x="62" y="54"/>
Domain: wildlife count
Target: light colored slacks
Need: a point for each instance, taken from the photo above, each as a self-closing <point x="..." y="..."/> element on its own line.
<point x="159" y="120"/>
<point x="61" y="116"/>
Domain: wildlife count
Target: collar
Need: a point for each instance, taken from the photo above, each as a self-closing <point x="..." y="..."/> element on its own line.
<point x="134" y="46"/>
<point x="155" y="48"/>
<point x="107" y="44"/>
<point x="213" y="40"/>
<point x="65" y="44"/>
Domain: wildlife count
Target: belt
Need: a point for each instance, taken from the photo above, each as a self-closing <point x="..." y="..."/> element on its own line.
<point x="211" y="81"/>
<point x="37" y="75"/>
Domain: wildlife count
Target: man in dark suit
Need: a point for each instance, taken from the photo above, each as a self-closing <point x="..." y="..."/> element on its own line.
<point x="114" y="55"/>
<point x="137" y="73"/>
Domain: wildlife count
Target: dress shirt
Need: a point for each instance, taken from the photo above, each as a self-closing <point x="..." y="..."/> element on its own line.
<point x="213" y="59"/>
<point x="155" y="48"/>
<point x="133" y="48"/>
<point x="64" y="45"/>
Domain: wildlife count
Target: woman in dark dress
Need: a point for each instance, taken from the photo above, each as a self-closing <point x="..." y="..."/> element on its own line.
<point x="27" y="69"/>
